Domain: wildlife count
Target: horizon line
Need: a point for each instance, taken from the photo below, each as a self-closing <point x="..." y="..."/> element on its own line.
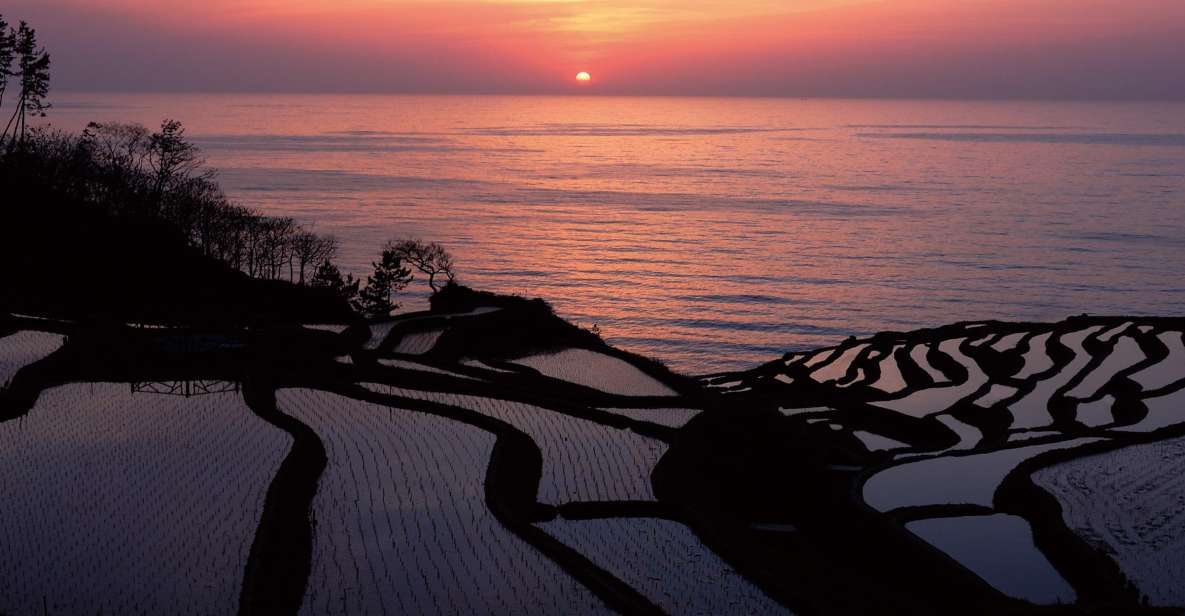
<point x="586" y="94"/>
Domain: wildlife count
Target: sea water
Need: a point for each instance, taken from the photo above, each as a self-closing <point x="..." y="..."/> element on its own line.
<point x="718" y="233"/>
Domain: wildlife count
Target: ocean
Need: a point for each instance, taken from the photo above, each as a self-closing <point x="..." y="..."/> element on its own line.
<point x="715" y="234"/>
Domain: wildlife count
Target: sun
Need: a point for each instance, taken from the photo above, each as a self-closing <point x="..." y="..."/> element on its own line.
<point x="583" y="77"/>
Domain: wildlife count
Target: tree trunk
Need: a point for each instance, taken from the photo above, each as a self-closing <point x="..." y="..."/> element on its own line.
<point x="12" y="120"/>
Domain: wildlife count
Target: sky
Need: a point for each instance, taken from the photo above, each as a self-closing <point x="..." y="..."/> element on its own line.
<point x="1043" y="49"/>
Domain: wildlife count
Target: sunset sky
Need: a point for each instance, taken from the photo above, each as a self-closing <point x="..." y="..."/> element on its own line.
<point x="1080" y="49"/>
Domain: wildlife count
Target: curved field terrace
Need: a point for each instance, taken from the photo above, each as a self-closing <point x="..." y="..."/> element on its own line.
<point x="492" y="459"/>
<point x="121" y="502"/>
<point x="1040" y="457"/>
<point x="25" y="348"/>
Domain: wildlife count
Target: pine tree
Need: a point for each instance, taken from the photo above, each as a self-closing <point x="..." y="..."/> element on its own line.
<point x="328" y="276"/>
<point x="428" y="257"/>
<point x="7" y="54"/>
<point x="34" y="79"/>
<point x="172" y="158"/>
<point x="390" y="276"/>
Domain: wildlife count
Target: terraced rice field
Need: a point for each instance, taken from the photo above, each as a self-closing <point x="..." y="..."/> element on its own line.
<point x="117" y="503"/>
<point x="667" y="563"/>
<point x="937" y="399"/>
<point x="24" y="348"/>
<point x="838" y="368"/>
<point x="1005" y="395"/>
<point x="402" y="525"/>
<point x="453" y="315"/>
<point x="582" y="460"/>
<point x="891" y="381"/>
<point x="331" y="328"/>
<point x="1067" y="367"/>
<point x="1167" y="371"/>
<point x="1130" y="503"/>
<point x="477" y="363"/>
<point x="669" y="417"/>
<point x="378" y="334"/>
<point x="998" y="393"/>
<point x="1036" y="360"/>
<point x="1000" y="549"/>
<point x="919" y="355"/>
<point x="876" y="442"/>
<point x="418" y="343"/>
<point x="969" y="436"/>
<point x="1126" y="354"/>
<point x="1032" y="411"/>
<point x="953" y="480"/>
<point x="1163" y="412"/>
<point x="598" y="371"/>
<point x="404" y="364"/>
<point x="151" y="503"/>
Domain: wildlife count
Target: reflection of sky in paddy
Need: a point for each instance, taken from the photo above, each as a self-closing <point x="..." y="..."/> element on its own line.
<point x="720" y="233"/>
<point x="999" y="549"/>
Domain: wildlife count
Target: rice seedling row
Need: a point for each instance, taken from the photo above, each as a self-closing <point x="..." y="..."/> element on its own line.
<point x="597" y="371"/>
<point x="131" y="503"/>
<point x="1130" y="503"/>
<point x="24" y="348"/>
<point x="669" y="417"/>
<point x="418" y="343"/>
<point x="582" y="460"/>
<point x="402" y="524"/>
<point x="413" y="365"/>
<point x="378" y="334"/>
<point x="667" y="563"/>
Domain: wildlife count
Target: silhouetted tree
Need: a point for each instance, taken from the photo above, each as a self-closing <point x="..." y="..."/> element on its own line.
<point x="172" y="159"/>
<point x="328" y="276"/>
<point x="34" y="79"/>
<point x="275" y="242"/>
<point x="7" y="54"/>
<point x="309" y="248"/>
<point x="428" y="257"/>
<point x="124" y="171"/>
<point x="390" y="276"/>
<point x="188" y="204"/>
<point x="117" y="147"/>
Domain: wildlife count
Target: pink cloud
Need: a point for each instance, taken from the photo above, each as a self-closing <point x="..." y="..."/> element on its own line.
<point x="975" y="48"/>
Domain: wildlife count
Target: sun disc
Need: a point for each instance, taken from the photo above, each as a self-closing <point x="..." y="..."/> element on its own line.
<point x="583" y="76"/>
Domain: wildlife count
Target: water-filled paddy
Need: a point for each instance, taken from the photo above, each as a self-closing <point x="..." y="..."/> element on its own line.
<point x="118" y="503"/>
<point x="582" y="460"/>
<point x="1131" y="504"/>
<point x="964" y="479"/>
<point x="402" y="502"/>
<point x="999" y="549"/>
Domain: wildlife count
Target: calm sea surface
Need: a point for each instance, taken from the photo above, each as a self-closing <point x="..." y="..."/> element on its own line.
<point x="718" y="233"/>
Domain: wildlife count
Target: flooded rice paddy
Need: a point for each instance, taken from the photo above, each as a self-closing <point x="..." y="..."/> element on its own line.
<point x="443" y="473"/>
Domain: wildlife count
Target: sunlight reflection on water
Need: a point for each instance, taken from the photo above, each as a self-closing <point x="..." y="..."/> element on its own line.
<point x="715" y="233"/>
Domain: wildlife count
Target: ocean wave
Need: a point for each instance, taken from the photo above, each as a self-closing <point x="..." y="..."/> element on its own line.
<point x="619" y="130"/>
<point x="965" y="127"/>
<point x="270" y="179"/>
<point x="1118" y="139"/>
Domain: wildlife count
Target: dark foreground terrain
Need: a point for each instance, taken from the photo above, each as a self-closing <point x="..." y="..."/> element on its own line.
<point x="487" y="457"/>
